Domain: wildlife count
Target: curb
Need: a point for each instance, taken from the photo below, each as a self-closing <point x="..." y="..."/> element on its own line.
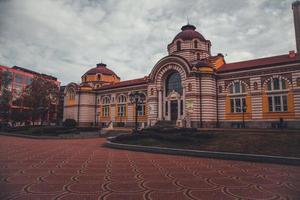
<point x="46" y="137"/>
<point x="208" y="154"/>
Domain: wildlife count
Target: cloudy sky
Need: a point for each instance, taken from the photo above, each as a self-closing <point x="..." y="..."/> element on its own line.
<point x="65" y="38"/>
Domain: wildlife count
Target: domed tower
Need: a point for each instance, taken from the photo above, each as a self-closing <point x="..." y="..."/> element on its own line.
<point x="99" y="76"/>
<point x="190" y="44"/>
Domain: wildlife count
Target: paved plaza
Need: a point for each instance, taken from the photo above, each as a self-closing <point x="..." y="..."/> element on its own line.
<point x="83" y="169"/>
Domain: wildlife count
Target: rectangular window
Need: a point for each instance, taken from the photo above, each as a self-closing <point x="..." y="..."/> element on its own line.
<point x="28" y="80"/>
<point x="237" y="105"/>
<point x="284" y="103"/>
<point x="105" y="111"/>
<point x="167" y="107"/>
<point x="141" y="110"/>
<point x="18" y="78"/>
<point x="232" y="105"/>
<point x="270" y="100"/>
<point x="244" y="106"/>
<point x="181" y="107"/>
<point x="121" y="110"/>
<point x="277" y="103"/>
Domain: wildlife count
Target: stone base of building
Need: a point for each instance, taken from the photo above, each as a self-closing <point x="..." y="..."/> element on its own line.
<point x="213" y="124"/>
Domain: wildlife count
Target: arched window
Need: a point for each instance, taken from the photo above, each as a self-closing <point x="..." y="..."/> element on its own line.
<point x="151" y="91"/>
<point x="237" y="88"/>
<point x="198" y="56"/>
<point x="277" y="102"/>
<point x="84" y="78"/>
<point x="255" y="86"/>
<point x="98" y="77"/>
<point x="237" y="91"/>
<point x="220" y="89"/>
<point x="178" y="44"/>
<point x="97" y="86"/>
<point x="298" y="82"/>
<point x="275" y="84"/>
<point x="121" y="105"/>
<point x="71" y="94"/>
<point x="105" y="106"/>
<point x="173" y="82"/>
<point x="195" y="44"/>
<point x="190" y="87"/>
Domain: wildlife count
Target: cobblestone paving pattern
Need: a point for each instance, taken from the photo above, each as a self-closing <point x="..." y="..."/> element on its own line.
<point x="82" y="169"/>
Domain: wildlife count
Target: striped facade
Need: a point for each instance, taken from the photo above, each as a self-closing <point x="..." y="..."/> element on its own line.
<point x="192" y="88"/>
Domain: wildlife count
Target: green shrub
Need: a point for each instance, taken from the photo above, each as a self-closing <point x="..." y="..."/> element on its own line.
<point x="70" y="123"/>
<point x="83" y="129"/>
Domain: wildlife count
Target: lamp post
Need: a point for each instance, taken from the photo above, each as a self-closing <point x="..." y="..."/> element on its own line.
<point x="136" y="98"/>
<point x="244" y="109"/>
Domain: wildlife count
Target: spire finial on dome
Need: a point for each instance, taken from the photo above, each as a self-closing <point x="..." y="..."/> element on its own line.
<point x="187" y="19"/>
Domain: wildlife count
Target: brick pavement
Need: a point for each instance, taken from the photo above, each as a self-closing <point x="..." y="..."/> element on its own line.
<point x="82" y="169"/>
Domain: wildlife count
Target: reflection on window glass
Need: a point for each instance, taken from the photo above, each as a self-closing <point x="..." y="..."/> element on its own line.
<point x="174" y="83"/>
<point x="18" y="78"/>
<point x="28" y="80"/>
<point x="237" y="87"/>
<point x="276" y="83"/>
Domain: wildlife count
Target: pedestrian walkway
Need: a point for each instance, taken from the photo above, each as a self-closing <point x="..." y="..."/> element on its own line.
<point x="83" y="169"/>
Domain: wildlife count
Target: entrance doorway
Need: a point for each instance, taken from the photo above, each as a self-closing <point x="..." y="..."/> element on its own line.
<point x="174" y="110"/>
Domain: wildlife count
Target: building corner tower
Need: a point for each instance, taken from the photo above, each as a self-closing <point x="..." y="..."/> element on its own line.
<point x="296" y="12"/>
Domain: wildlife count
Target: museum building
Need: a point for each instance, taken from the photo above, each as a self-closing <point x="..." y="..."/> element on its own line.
<point x="193" y="88"/>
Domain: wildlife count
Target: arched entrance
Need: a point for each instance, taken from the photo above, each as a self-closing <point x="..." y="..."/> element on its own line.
<point x="173" y="108"/>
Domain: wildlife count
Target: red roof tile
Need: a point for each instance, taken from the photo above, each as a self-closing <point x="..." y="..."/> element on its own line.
<point x="132" y="82"/>
<point x="101" y="69"/>
<point x="258" y="63"/>
<point x="188" y="33"/>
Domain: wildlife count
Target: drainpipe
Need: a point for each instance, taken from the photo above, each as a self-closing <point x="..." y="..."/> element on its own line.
<point x="78" y="108"/>
<point x="96" y="110"/>
<point x="200" y="87"/>
<point x="217" y="103"/>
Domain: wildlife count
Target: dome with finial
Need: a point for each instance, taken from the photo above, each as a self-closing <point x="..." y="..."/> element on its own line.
<point x="99" y="76"/>
<point x="100" y="69"/>
<point x="188" y="32"/>
<point x="190" y="44"/>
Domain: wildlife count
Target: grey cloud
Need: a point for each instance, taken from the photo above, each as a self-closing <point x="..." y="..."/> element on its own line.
<point x="67" y="37"/>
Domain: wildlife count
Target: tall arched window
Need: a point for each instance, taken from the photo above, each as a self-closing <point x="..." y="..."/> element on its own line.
<point x="71" y="94"/>
<point x="237" y="91"/>
<point x="198" y="56"/>
<point x="105" y="106"/>
<point x="121" y="105"/>
<point x="178" y="44"/>
<point x="173" y="82"/>
<point x="277" y="102"/>
<point x="195" y="44"/>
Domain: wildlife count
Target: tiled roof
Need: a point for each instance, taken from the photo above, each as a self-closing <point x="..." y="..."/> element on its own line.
<point x="261" y="62"/>
<point x="188" y="33"/>
<point x="132" y="82"/>
<point x="100" y="70"/>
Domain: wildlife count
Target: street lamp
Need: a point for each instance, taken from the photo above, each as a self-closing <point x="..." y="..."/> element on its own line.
<point x="244" y="109"/>
<point x="136" y="98"/>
